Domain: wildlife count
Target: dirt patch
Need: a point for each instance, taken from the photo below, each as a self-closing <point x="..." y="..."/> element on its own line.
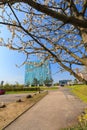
<point x="13" y="110"/>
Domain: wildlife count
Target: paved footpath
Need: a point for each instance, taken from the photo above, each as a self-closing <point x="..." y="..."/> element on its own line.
<point x="57" y="110"/>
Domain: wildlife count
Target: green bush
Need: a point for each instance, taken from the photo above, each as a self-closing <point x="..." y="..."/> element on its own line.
<point x="21" y="89"/>
<point x="17" y="87"/>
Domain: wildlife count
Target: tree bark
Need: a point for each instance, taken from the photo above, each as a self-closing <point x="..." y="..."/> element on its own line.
<point x="84" y="37"/>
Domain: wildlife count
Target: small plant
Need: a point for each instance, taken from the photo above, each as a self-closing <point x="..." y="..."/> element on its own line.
<point x="19" y="100"/>
<point x="2" y="105"/>
<point x="29" y="96"/>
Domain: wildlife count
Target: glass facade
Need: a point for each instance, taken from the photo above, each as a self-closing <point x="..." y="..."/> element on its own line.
<point x="36" y="72"/>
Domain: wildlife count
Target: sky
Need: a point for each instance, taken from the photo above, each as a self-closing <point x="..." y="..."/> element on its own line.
<point x="11" y="74"/>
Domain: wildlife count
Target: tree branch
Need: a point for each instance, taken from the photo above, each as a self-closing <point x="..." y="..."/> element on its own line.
<point x="44" y="9"/>
<point x="73" y="7"/>
<point x="84" y="7"/>
<point x="14" y="14"/>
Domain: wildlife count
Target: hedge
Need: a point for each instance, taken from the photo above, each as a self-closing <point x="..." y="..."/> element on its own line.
<point x="22" y="89"/>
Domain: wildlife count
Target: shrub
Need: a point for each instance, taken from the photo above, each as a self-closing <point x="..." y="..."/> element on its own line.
<point x="19" y="100"/>
<point x="29" y="96"/>
<point x="21" y="89"/>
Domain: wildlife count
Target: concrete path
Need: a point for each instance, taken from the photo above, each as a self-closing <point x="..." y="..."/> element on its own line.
<point x="57" y="110"/>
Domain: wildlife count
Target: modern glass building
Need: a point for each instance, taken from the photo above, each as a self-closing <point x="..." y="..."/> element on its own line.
<point x="37" y="73"/>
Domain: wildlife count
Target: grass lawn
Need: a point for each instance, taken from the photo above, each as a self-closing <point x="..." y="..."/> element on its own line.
<point x="19" y="92"/>
<point x="49" y="88"/>
<point x="81" y="92"/>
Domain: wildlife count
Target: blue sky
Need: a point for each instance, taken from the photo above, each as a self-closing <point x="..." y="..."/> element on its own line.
<point x="8" y="59"/>
<point x="9" y="73"/>
<point x="8" y="70"/>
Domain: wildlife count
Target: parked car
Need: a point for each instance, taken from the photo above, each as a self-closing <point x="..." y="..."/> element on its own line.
<point x="2" y="91"/>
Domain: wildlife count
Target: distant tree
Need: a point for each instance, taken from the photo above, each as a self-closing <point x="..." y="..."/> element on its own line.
<point x="48" y="81"/>
<point x="2" y="82"/>
<point x="28" y="84"/>
<point x="52" y="29"/>
<point x="35" y="82"/>
<point x="75" y="81"/>
<point x="56" y="84"/>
